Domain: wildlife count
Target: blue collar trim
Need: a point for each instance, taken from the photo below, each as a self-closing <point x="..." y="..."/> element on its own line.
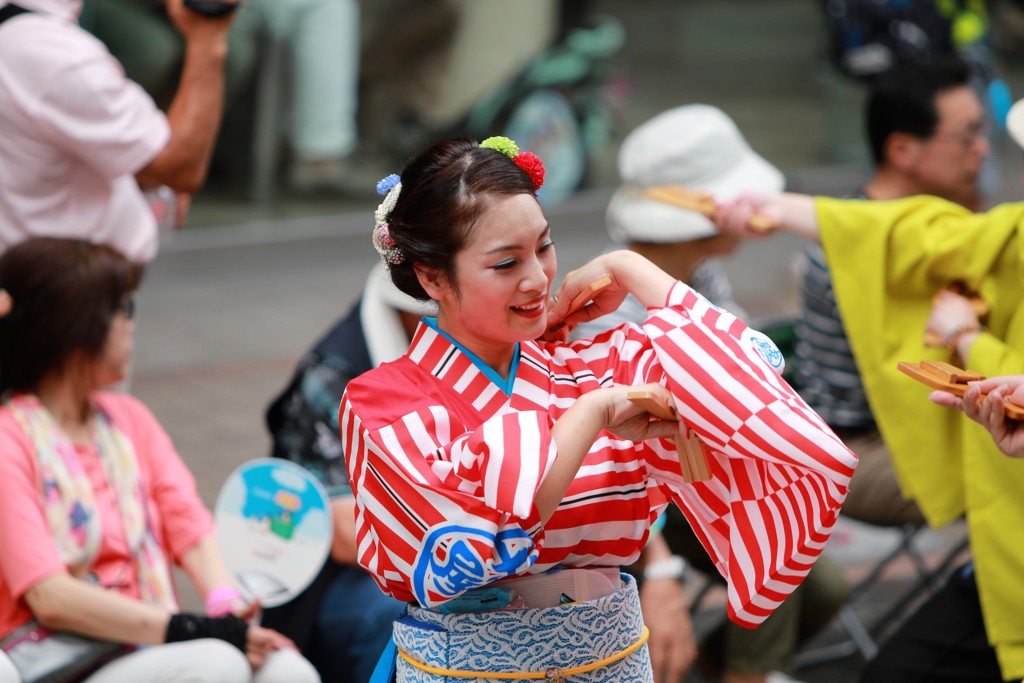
<point x="489" y="372"/>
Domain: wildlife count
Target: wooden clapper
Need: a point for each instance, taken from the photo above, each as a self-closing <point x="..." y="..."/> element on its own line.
<point x="701" y="202"/>
<point x="946" y="377"/>
<point x="693" y="453"/>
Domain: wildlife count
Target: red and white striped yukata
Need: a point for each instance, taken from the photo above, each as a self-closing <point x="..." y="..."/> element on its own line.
<point x="445" y="465"/>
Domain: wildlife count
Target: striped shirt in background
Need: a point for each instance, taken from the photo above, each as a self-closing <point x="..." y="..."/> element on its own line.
<point x="826" y="372"/>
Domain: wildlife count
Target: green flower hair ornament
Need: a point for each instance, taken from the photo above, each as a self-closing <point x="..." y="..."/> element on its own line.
<point x="500" y="143"/>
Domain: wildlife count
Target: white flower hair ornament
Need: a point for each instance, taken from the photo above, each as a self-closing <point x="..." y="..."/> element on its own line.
<point x="390" y="253"/>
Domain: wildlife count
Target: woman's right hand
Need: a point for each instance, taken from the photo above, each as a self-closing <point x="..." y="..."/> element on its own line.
<point x="260" y="642"/>
<point x="953" y="314"/>
<point x="627" y="273"/>
<point x="576" y="430"/>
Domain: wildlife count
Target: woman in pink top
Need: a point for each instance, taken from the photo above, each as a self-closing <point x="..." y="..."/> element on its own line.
<point x="95" y="504"/>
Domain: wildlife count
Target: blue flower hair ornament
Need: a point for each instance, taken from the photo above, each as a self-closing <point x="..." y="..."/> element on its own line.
<point x="384" y="185"/>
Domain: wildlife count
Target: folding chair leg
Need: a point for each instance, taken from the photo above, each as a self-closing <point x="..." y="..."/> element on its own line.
<point x="859" y="641"/>
<point x="861" y="637"/>
<point x="858" y="632"/>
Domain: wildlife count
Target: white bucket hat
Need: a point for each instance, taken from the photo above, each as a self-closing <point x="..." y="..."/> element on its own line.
<point x="696" y="145"/>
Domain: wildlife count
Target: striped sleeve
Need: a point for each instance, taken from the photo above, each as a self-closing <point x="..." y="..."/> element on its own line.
<point x="441" y="510"/>
<point x="780" y="475"/>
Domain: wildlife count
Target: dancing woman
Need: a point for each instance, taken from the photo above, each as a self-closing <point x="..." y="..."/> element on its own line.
<point x="501" y="481"/>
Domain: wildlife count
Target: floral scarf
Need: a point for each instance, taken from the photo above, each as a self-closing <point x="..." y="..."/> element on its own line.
<point x="68" y="501"/>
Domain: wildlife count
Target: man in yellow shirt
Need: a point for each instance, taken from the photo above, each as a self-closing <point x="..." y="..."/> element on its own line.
<point x="888" y="260"/>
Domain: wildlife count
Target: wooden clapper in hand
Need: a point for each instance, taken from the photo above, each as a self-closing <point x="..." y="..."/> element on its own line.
<point x="978" y="303"/>
<point x="946" y="377"/>
<point x="701" y="202"/>
<point x="584" y="297"/>
<point x="693" y="453"/>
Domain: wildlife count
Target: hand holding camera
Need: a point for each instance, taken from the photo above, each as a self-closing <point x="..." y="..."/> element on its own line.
<point x="203" y="23"/>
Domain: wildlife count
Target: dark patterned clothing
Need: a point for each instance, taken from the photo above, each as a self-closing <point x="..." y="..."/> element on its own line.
<point x="341" y="622"/>
<point x="303" y="419"/>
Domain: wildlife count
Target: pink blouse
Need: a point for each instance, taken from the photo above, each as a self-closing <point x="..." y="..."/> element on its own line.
<point x="27" y="554"/>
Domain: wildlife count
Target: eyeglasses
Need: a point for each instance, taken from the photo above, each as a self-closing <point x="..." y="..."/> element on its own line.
<point x="127" y="307"/>
<point x="967" y="137"/>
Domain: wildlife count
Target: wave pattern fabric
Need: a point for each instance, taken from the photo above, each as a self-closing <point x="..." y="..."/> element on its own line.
<point x="529" y="640"/>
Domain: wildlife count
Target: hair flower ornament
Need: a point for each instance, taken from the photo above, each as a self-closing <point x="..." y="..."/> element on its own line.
<point x="383" y="242"/>
<point x="528" y="161"/>
<point x="502" y="144"/>
<point x="384" y="185"/>
<point x="531" y="163"/>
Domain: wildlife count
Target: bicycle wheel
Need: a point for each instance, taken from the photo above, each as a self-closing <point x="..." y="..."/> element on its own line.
<point x="544" y="122"/>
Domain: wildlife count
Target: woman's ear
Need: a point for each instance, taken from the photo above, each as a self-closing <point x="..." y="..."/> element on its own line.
<point x="432" y="280"/>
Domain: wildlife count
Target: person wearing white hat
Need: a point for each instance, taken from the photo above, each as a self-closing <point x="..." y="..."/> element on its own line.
<point x="342" y="621"/>
<point x="895" y="257"/>
<point x="700" y="147"/>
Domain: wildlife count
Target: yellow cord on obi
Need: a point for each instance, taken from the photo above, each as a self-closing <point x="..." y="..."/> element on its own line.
<point x="552" y="674"/>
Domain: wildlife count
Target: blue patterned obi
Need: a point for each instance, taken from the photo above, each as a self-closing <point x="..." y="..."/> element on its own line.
<point x="529" y="640"/>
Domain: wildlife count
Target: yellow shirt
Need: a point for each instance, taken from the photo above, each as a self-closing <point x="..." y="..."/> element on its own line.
<point x="887" y="260"/>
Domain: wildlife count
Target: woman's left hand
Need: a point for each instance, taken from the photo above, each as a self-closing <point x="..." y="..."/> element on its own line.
<point x="575" y="302"/>
<point x="671" y="644"/>
<point x="626" y="420"/>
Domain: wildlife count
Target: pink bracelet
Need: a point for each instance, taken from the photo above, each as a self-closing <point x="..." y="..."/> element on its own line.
<point x="223" y="600"/>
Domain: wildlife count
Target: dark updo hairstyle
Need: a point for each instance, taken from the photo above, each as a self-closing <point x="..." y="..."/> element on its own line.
<point x="65" y="294"/>
<point x="442" y="196"/>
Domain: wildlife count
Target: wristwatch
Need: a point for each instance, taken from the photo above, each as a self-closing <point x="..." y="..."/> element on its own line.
<point x="671" y="567"/>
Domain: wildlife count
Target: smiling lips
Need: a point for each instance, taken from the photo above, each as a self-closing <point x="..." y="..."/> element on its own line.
<point x="530" y="310"/>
